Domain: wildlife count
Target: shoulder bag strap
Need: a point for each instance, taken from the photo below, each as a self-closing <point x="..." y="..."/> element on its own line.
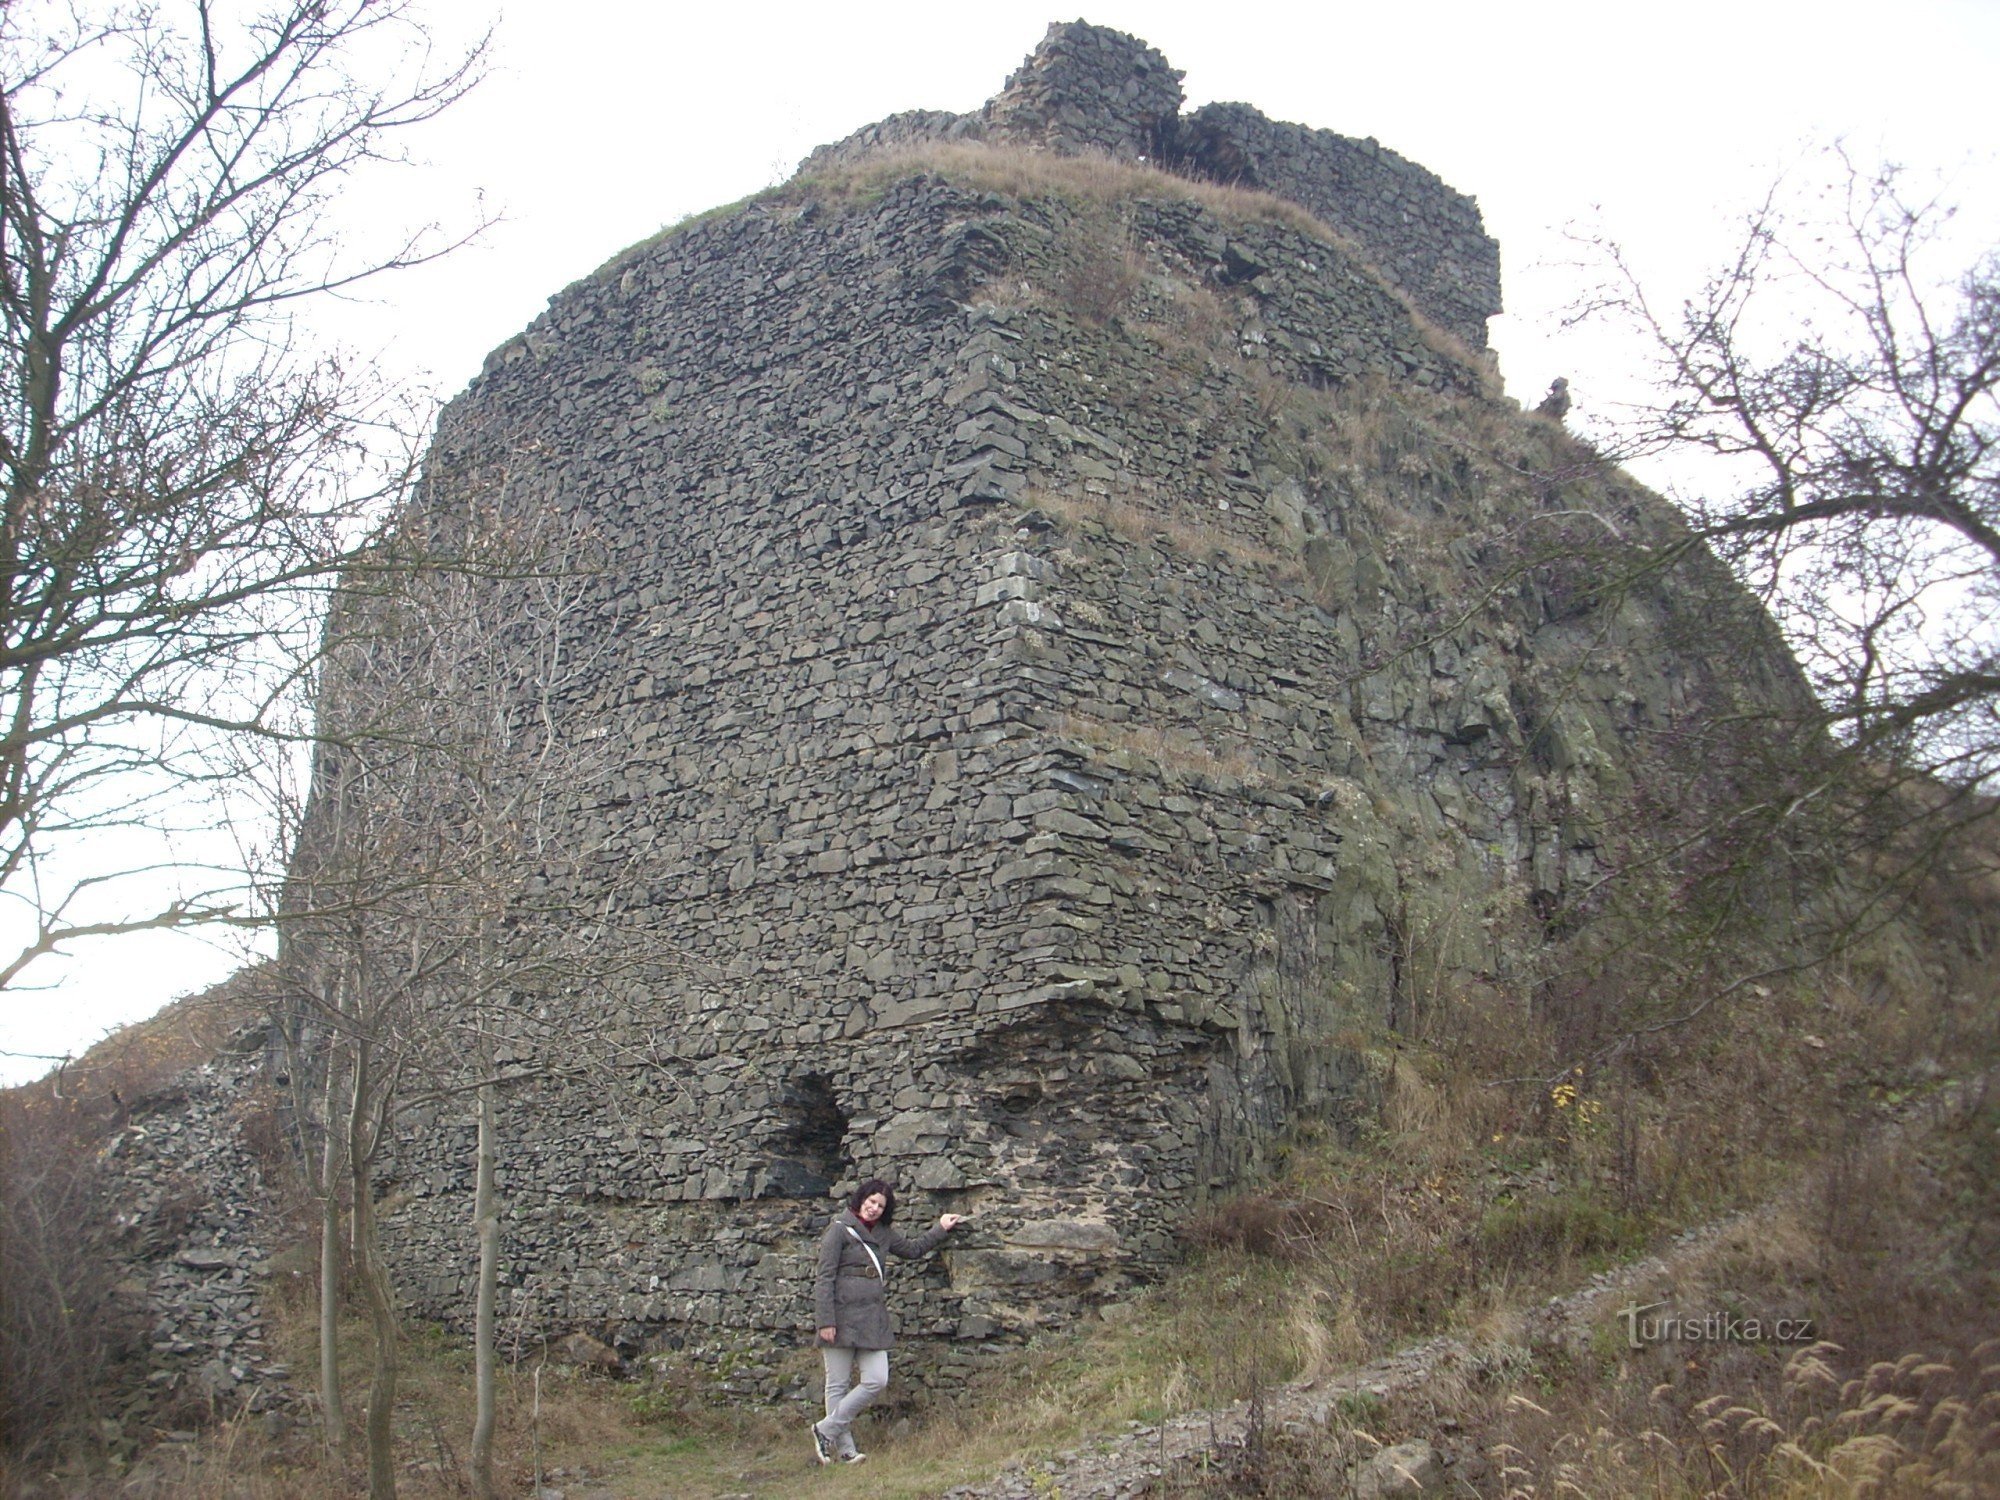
<point x="855" y="1235"/>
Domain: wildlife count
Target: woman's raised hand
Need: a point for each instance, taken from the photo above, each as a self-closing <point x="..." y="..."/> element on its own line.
<point x="950" y="1221"/>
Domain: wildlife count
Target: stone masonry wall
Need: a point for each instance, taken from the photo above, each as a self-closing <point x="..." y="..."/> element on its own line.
<point x="1426" y="238"/>
<point x="1027" y="738"/>
<point x="1036" y="831"/>
<point x="1090" y="90"/>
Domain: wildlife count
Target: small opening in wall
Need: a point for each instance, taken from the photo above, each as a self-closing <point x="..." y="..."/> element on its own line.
<point x="1021" y="1098"/>
<point x="809" y="1155"/>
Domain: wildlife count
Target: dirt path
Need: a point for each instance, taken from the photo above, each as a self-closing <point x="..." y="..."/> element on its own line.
<point x="1115" y="1466"/>
<point x="1122" y="1465"/>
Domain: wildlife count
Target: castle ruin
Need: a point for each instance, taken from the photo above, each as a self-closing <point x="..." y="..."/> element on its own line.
<point x="1039" y="736"/>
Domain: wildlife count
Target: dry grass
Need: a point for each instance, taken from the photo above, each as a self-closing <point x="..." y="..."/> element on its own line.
<point x="139" y="1059"/>
<point x="1905" y="1427"/>
<point x="667" y="1437"/>
<point x="1180" y="755"/>
<point x="1093" y="183"/>
<point x="1464" y="1207"/>
<point x="1096" y="181"/>
<point x="1188" y="317"/>
<point x="555" y="1421"/>
<point x="1102" y="182"/>
<point x="1893" y="1251"/>
<point x="1135" y="522"/>
<point x="1101" y="280"/>
<point x="1392" y="1252"/>
<point x="680" y="226"/>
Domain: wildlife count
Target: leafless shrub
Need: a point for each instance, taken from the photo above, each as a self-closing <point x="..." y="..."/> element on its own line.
<point x="1100" y="282"/>
<point x="1289" y="1229"/>
<point x="58" y="1323"/>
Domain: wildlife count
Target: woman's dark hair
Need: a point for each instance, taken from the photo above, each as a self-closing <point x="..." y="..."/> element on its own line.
<point x="868" y="1190"/>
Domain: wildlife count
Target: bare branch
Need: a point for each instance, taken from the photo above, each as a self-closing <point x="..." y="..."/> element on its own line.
<point x="183" y="485"/>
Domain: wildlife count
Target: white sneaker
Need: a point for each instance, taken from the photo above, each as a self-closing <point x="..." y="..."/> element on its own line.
<point x="822" y="1446"/>
<point x="853" y="1455"/>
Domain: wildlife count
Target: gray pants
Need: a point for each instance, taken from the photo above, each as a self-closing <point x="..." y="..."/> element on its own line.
<point x="854" y="1378"/>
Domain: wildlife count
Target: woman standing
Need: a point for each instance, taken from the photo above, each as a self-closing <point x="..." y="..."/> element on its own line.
<point x="851" y="1309"/>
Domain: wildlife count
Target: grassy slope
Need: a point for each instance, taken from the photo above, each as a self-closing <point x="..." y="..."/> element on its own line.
<point x="1432" y="1225"/>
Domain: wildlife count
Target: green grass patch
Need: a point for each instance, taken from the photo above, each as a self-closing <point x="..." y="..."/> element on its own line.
<point x="1574" y="1227"/>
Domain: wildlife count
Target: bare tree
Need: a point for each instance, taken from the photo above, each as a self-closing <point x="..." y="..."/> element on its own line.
<point x="1850" y="384"/>
<point x="498" y="662"/>
<point x="347" y="984"/>
<point x="424" y="918"/>
<point x="1838" y="379"/>
<point x="182" y="480"/>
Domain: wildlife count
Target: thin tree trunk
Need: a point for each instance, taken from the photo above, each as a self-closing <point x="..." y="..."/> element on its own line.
<point x="329" y="1331"/>
<point x="334" y="1409"/>
<point x="374" y="1278"/>
<point x="486" y="1218"/>
<point x="382" y="1388"/>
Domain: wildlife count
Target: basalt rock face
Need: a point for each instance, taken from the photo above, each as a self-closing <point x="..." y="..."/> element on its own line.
<point x="1072" y="702"/>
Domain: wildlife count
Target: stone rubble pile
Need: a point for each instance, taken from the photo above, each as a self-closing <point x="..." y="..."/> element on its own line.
<point x="195" y="1224"/>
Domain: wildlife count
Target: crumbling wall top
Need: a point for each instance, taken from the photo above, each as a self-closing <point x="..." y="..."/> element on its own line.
<point x="1089" y="90"/>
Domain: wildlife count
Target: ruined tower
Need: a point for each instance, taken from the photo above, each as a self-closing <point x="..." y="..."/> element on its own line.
<point x="1070" y="698"/>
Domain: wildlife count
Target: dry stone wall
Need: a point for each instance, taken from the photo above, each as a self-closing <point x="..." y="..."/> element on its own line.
<point x="1090" y="89"/>
<point x="1062" y="700"/>
<point x="1033" y="827"/>
<point x="1426" y="238"/>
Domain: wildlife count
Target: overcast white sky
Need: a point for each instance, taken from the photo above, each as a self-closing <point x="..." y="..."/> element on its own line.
<point x="604" y="119"/>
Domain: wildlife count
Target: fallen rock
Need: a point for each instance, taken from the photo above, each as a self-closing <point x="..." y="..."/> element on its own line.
<point x="1407" y="1469"/>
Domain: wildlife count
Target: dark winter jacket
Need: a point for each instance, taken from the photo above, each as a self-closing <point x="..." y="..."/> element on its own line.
<point x="848" y="1295"/>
